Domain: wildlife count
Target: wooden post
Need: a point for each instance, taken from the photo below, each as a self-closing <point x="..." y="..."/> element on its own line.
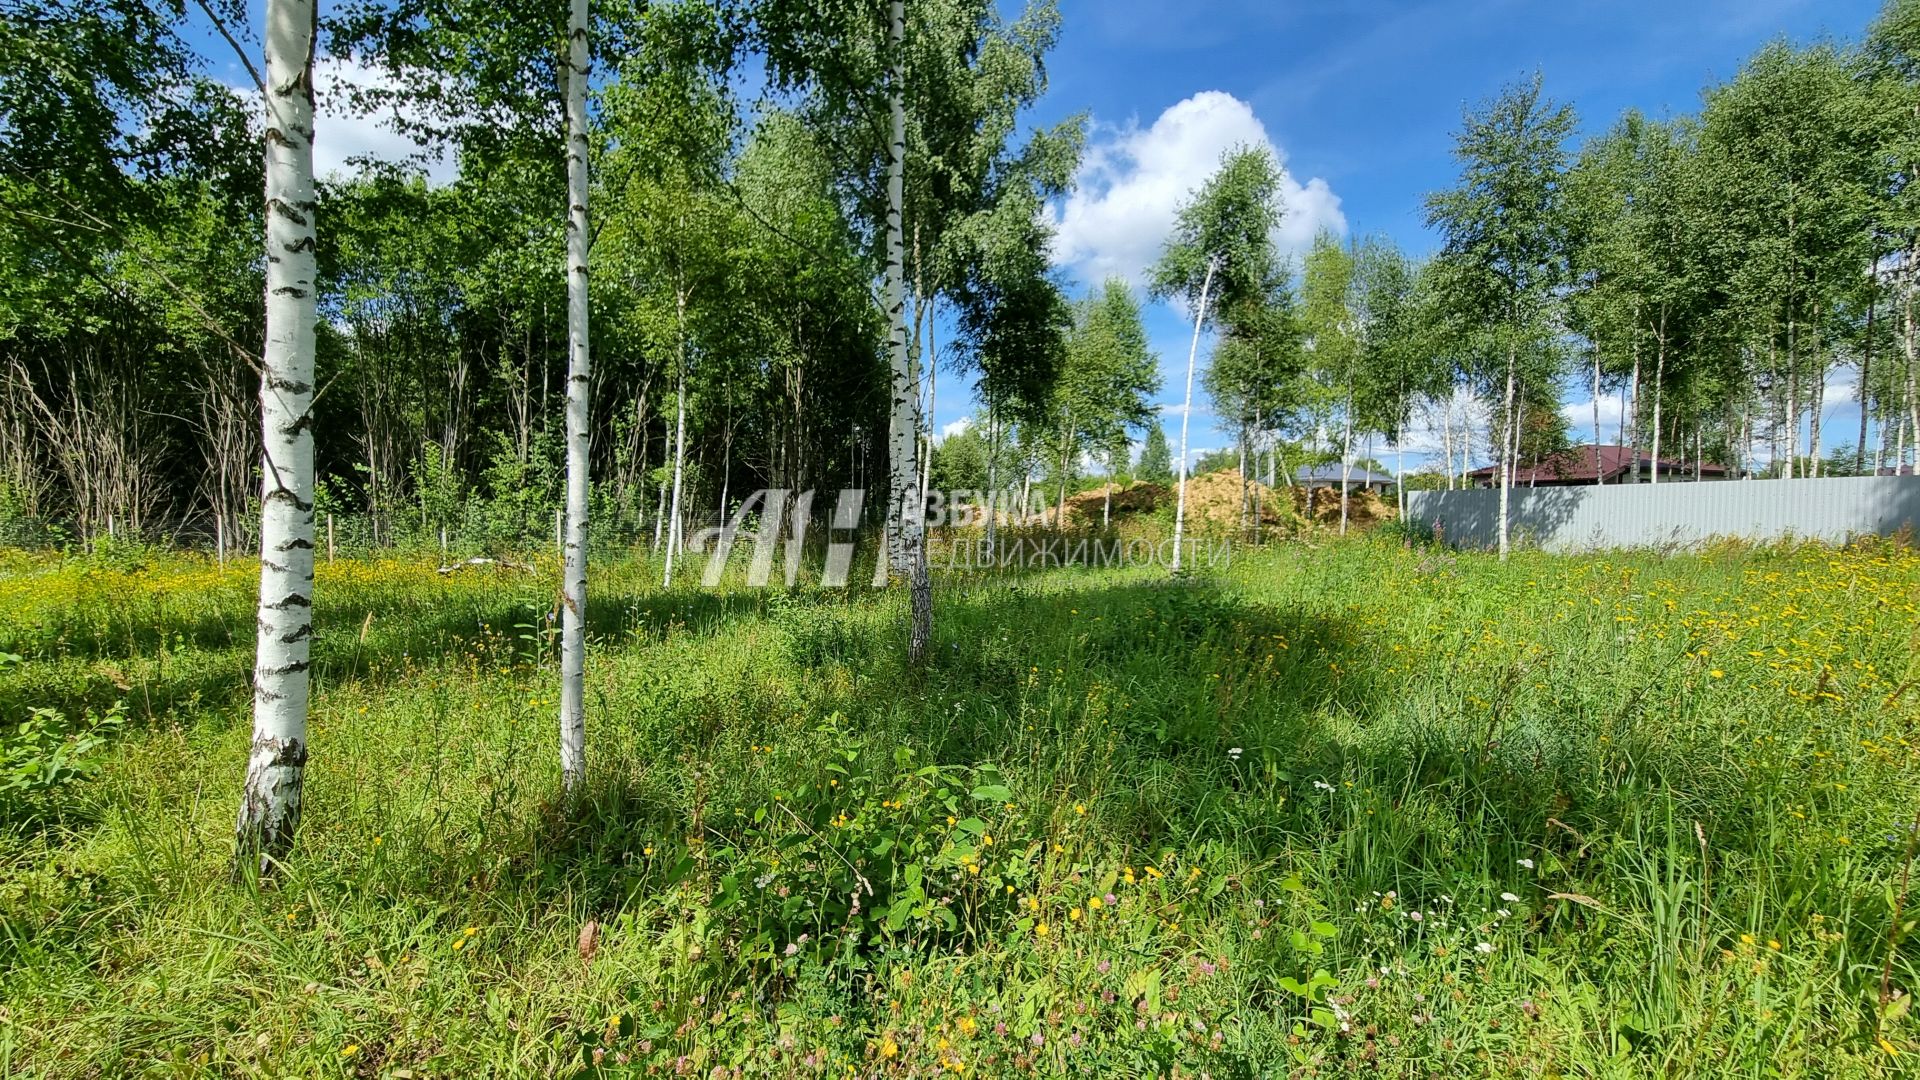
<point x="220" y="541"/>
<point x="329" y="537"/>
<point x="443" y="545"/>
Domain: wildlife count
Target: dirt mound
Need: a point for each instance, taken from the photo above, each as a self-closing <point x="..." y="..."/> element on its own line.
<point x="1364" y="508"/>
<point x="1214" y="500"/>
<point x="1139" y="497"/>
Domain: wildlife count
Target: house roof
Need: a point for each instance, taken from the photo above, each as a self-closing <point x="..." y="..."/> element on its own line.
<point x="1332" y="472"/>
<point x="1589" y="462"/>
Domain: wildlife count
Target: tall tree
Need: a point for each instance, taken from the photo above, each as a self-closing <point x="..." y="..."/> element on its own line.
<point x="1223" y="231"/>
<point x="1156" y="458"/>
<point x="1104" y="387"/>
<point x="276" y="767"/>
<point x="1505" y="248"/>
<point x="573" y="619"/>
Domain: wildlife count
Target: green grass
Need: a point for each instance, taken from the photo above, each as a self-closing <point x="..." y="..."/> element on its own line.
<point x="1607" y="786"/>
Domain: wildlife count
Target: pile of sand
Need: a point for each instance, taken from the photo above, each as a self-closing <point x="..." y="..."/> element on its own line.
<point x="1214" y="500"/>
<point x="1364" y="508"/>
<point x="1214" y="503"/>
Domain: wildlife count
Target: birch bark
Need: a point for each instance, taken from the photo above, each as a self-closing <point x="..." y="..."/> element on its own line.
<point x="276" y="765"/>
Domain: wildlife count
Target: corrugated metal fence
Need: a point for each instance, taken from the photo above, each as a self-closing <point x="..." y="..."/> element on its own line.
<point x="1590" y="518"/>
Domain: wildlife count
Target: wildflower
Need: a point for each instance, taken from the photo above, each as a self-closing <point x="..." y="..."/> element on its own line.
<point x="889" y="1048"/>
<point x="968" y="1025"/>
<point x="1038" y="1039"/>
<point x="1093" y="903"/>
<point x="349" y="1050"/>
<point x="1080" y="808"/>
<point x="1416" y="916"/>
<point x="1042" y="930"/>
<point x="1103" y="966"/>
<point x="1323" y="785"/>
<point x="1509" y="898"/>
<point x="1484" y="948"/>
<point x="1772" y="944"/>
<point x="1528" y="863"/>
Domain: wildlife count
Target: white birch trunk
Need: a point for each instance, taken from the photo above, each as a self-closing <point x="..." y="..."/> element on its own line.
<point x="1346" y="460"/>
<point x="573" y="607"/>
<point x="1599" y="473"/>
<point x="679" y="465"/>
<point x="1180" y="503"/>
<point x="902" y="437"/>
<point x="276" y="765"/>
<point x="1508" y="439"/>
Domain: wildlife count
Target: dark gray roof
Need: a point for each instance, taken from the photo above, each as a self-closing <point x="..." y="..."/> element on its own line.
<point x="1332" y="472"/>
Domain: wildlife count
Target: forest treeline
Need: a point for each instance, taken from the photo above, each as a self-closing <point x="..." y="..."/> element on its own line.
<point x="1712" y="271"/>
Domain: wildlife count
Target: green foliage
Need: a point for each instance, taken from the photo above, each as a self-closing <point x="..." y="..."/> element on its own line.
<point x="1156" y="459"/>
<point x="44" y="755"/>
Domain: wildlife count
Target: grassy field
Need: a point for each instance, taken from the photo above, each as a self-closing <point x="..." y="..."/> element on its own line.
<point x="1327" y="810"/>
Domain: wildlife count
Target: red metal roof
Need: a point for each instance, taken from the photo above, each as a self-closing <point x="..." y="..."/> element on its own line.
<point x="1582" y="464"/>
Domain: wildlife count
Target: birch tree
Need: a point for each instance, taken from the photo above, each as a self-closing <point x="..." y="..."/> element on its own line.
<point x="276" y="766"/>
<point x="1224" y="231"/>
<point x="573" y="616"/>
<point x="1505" y="248"/>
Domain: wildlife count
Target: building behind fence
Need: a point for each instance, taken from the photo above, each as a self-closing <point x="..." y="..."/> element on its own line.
<point x="1596" y="518"/>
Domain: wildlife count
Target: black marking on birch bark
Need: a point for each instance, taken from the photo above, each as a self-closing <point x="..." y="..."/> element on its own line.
<point x="305" y="631"/>
<point x="286" y="210"/>
<point x="261" y="693"/>
<point x="286" y="752"/>
<point x="305" y="243"/>
<point x="275" y="567"/>
<point x="289" y="386"/>
<point x="295" y="544"/>
<point x="303" y="424"/>
<point x="275" y="135"/>
<point x="288" y="290"/>
<point x="294" y="668"/>
<point x="291" y="600"/>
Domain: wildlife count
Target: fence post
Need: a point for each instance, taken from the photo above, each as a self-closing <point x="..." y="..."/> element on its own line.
<point x="220" y="541"/>
<point x="443" y="545"/>
<point x="329" y="537"/>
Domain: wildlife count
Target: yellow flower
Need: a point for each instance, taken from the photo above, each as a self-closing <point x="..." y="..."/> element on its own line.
<point x="1073" y="915"/>
<point x="1718" y="674"/>
<point x="1042" y="930"/>
<point x="1079" y="808"/>
<point x="460" y="944"/>
<point x="968" y="1026"/>
<point x="1746" y="939"/>
<point x="1093" y="903"/>
<point x="889" y="1048"/>
<point x="349" y="1050"/>
<point x="1772" y="944"/>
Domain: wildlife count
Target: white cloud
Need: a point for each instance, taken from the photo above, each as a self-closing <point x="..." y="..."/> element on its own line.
<point x="339" y="133"/>
<point x="950" y="430"/>
<point x="1134" y="179"/>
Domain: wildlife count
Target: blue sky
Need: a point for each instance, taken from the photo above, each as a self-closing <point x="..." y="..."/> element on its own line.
<point x="1360" y="99"/>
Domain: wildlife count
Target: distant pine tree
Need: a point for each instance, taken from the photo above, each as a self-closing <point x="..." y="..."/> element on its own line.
<point x="1156" y="460"/>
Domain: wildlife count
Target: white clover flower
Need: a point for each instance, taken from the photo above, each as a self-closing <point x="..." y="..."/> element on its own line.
<point x="1483" y="948"/>
<point x="1323" y="785"/>
<point x="1509" y="898"/>
<point x="1528" y="863"/>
